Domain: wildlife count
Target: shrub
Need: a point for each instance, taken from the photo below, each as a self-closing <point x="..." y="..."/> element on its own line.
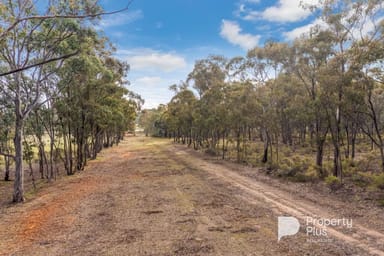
<point x="349" y="167"/>
<point x="361" y="179"/>
<point x="312" y="172"/>
<point x="300" y="177"/>
<point x="367" y="162"/>
<point x="271" y="167"/>
<point x="333" y="182"/>
<point x="211" y="152"/>
<point x="327" y="168"/>
<point x="297" y="169"/>
<point x="378" y="181"/>
<point x="381" y="202"/>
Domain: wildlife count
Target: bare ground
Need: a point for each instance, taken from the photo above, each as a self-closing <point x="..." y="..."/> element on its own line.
<point x="149" y="197"/>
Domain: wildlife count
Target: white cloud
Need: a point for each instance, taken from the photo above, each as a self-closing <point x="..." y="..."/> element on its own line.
<point x="283" y="11"/>
<point x="154" y="89"/>
<point x="288" y="10"/>
<point x="148" y="81"/>
<point x="365" y="27"/>
<point x="361" y="29"/>
<point x="119" y="19"/>
<point x="242" y="8"/>
<point x="297" y="32"/>
<point x="231" y="31"/>
<point x="151" y="60"/>
<point x="253" y="1"/>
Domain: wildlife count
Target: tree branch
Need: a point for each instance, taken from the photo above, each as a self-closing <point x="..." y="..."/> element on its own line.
<point x="39" y="63"/>
<point x="7" y="155"/>
<point x="47" y="17"/>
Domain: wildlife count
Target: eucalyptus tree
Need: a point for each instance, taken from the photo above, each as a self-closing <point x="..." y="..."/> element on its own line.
<point x="366" y="56"/>
<point x="181" y="108"/>
<point x="347" y="23"/>
<point x="147" y="120"/>
<point x="25" y="45"/>
<point x="291" y="108"/>
<point x="91" y="108"/>
<point x="243" y="110"/>
<point x="328" y="83"/>
<point x="268" y="62"/>
<point x="311" y="56"/>
<point x="207" y="74"/>
<point x="80" y="10"/>
<point x="209" y="79"/>
<point x="6" y="122"/>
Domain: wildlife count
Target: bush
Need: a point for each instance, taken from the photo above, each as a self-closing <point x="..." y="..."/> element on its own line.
<point x="367" y="162"/>
<point x="349" y="167"/>
<point x="210" y="151"/>
<point x="361" y="179"/>
<point x="271" y="167"/>
<point x="312" y="172"/>
<point x="381" y="202"/>
<point x="300" y="177"/>
<point x="378" y="181"/>
<point x="297" y="169"/>
<point x="333" y="182"/>
<point x="285" y="168"/>
<point x="327" y="168"/>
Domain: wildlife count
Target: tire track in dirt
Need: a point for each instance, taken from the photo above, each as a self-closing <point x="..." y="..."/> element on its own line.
<point x="367" y="239"/>
<point x="148" y="197"/>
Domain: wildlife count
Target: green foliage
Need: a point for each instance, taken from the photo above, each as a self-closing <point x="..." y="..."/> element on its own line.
<point x="271" y="167"/>
<point x="312" y="173"/>
<point x="69" y="86"/>
<point x="362" y="179"/>
<point x="349" y="167"/>
<point x="28" y="151"/>
<point x="298" y="169"/>
<point x="368" y="162"/>
<point x="333" y="182"/>
<point x="378" y="181"/>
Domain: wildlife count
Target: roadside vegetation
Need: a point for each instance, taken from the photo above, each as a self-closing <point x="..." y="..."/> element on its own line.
<point x="310" y="110"/>
<point x="62" y="92"/>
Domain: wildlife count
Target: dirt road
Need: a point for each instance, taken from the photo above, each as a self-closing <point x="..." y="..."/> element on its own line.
<point x="149" y="197"/>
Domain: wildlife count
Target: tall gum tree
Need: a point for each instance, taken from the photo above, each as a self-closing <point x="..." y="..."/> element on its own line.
<point x="311" y="54"/>
<point x="347" y="22"/>
<point x="24" y="43"/>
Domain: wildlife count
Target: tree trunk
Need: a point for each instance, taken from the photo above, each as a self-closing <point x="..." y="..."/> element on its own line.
<point x="266" y="146"/>
<point x="337" y="171"/>
<point x="41" y="156"/>
<point x="319" y="156"/>
<point x="238" y="145"/>
<point x="353" y="143"/>
<point x="223" y="146"/>
<point x="7" y="165"/>
<point x="277" y="148"/>
<point x="51" y="172"/>
<point x="382" y="158"/>
<point x="18" y="193"/>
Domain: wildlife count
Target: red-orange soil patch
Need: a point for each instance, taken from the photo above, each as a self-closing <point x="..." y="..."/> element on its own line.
<point x="35" y="221"/>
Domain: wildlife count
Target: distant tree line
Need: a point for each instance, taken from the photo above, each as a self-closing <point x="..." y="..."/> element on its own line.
<point x="327" y="85"/>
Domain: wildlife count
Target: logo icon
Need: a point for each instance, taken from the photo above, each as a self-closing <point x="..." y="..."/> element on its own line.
<point x="287" y="226"/>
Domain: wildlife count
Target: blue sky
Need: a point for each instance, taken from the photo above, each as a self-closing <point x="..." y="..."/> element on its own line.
<point x="162" y="39"/>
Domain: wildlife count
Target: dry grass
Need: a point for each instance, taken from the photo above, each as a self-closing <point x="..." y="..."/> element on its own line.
<point x="143" y="198"/>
